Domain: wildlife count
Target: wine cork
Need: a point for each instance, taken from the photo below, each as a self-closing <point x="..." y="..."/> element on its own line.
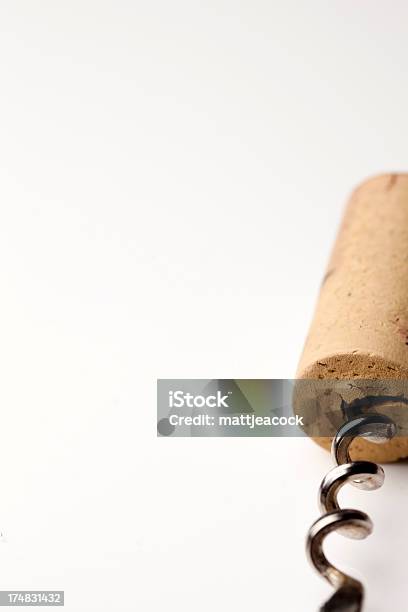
<point x="360" y="325"/>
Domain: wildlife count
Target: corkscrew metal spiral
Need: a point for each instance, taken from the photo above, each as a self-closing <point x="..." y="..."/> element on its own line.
<point x="351" y="523"/>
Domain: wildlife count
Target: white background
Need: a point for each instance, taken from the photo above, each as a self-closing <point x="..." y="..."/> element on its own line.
<point x="172" y="174"/>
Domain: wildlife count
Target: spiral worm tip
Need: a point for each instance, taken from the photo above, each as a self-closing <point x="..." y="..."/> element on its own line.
<point x="348" y="522"/>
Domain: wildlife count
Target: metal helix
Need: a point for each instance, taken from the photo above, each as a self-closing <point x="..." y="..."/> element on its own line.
<point x="355" y="524"/>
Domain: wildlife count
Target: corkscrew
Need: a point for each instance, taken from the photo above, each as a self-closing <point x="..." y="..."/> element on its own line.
<point x="355" y="524"/>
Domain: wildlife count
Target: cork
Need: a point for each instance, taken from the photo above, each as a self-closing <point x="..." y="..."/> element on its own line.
<point x="360" y="325"/>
